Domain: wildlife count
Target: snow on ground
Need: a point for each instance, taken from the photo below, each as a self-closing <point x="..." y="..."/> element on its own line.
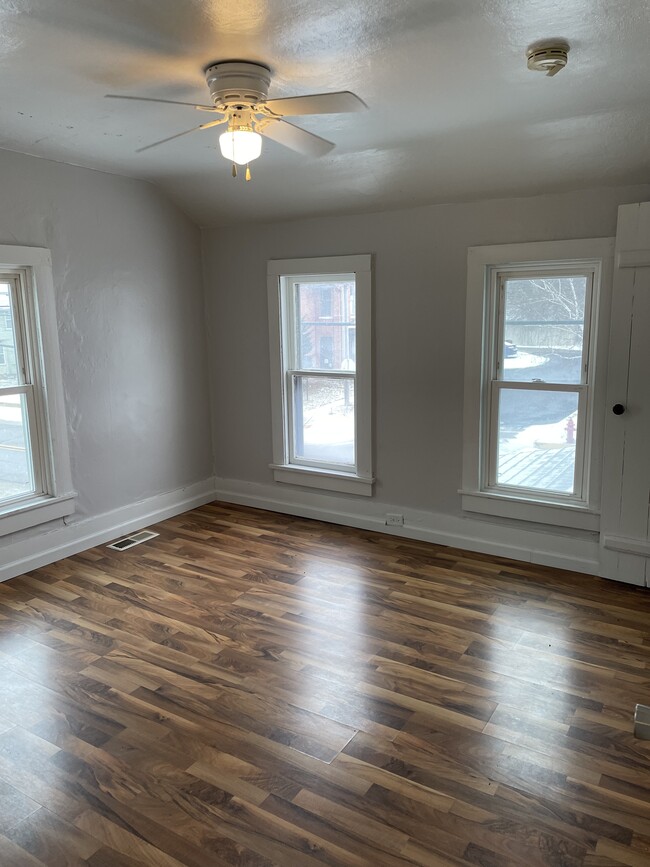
<point x="539" y="436"/>
<point x="10" y="408"/>
<point x="523" y="359"/>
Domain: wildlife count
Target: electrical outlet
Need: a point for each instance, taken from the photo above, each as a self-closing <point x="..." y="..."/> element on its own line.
<point x="394" y="520"/>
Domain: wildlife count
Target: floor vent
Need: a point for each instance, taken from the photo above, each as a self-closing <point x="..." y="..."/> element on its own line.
<point x="131" y="541"/>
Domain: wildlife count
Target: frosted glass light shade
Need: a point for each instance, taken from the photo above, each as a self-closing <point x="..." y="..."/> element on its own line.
<point x="240" y="146"/>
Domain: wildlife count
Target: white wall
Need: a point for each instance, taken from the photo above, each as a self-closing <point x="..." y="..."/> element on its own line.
<point x="127" y="274"/>
<point x="419" y="304"/>
<point x="127" y="271"/>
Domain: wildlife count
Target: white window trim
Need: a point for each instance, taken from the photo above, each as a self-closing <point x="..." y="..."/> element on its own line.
<point x="481" y="263"/>
<point x="361" y="481"/>
<point x="58" y="499"/>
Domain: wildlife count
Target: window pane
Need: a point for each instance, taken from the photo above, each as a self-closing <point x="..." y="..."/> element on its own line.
<point x="543" y="329"/>
<point x="16" y="476"/>
<point x="325" y="325"/>
<point x="536" y="440"/>
<point x="324" y="420"/>
<point x="8" y="365"/>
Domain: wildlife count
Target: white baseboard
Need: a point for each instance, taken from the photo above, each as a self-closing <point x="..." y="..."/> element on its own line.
<point x="564" y="550"/>
<point x="39" y="549"/>
<point x="545" y="547"/>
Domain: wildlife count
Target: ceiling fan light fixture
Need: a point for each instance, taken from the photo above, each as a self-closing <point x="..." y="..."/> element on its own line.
<point x="240" y="146"/>
<point x="239" y="91"/>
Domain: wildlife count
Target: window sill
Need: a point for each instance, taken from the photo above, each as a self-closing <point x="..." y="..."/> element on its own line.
<point x="325" y="480"/>
<point x="20" y="516"/>
<point x="538" y="512"/>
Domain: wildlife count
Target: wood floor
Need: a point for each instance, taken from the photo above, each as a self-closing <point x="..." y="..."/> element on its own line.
<point x="254" y="689"/>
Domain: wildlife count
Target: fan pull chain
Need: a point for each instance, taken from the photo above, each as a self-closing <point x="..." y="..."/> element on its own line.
<point x="248" y="172"/>
<point x="234" y="170"/>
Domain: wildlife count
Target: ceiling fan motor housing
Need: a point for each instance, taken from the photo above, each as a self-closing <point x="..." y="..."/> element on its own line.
<point x="234" y="84"/>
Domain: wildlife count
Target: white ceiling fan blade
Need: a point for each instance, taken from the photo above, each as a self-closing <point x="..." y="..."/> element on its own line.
<point x="179" y="134"/>
<point x="297" y="139"/>
<point x="213" y="123"/>
<point x="318" y="103"/>
<point x="151" y="99"/>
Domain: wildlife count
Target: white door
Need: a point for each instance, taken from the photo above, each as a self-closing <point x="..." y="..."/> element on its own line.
<point x="625" y="520"/>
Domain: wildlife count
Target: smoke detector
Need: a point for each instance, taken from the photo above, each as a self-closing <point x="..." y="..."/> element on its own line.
<point x="550" y="56"/>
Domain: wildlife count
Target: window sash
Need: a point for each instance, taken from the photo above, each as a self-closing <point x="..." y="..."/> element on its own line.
<point x="290" y="310"/>
<point x="501" y="277"/>
<point x="290" y="389"/>
<point x="492" y="440"/>
<point x="18" y="316"/>
<point x="325" y="374"/>
<point x="290" y="319"/>
<point x="494" y="384"/>
<point x="25" y="331"/>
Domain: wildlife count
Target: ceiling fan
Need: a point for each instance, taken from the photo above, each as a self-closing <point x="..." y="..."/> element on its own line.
<point x="239" y="91"/>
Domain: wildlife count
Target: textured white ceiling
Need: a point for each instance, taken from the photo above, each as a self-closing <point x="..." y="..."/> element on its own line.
<point x="453" y="112"/>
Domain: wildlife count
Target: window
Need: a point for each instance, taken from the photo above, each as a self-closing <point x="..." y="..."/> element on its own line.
<point x="534" y="380"/>
<point x="325" y="302"/>
<point x="327" y="351"/>
<point x="34" y="463"/>
<point x="320" y="372"/>
<point x="352" y="345"/>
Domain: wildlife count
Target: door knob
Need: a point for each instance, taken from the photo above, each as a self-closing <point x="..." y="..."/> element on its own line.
<point x="618" y="409"/>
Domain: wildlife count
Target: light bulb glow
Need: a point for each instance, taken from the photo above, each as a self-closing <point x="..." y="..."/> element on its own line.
<point x="240" y="146"/>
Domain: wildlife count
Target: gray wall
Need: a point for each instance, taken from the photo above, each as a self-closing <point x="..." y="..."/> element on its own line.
<point x="127" y="274"/>
<point x="419" y="305"/>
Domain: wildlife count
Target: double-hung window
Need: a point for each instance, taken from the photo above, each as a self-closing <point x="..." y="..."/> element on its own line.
<point x="534" y="381"/>
<point x="35" y="484"/>
<point x="21" y="461"/>
<point x="320" y="372"/>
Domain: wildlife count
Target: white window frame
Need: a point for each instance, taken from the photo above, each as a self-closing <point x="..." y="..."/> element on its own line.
<point x="485" y="266"/>
<point x="29" y="269"/>
<point x="282" y="273"/>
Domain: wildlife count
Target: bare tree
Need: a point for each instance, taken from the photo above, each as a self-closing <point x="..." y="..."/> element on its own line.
<point x="554" y="306"/>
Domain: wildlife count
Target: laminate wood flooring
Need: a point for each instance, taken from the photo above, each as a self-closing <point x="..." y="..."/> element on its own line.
<point x="254" y="689"/>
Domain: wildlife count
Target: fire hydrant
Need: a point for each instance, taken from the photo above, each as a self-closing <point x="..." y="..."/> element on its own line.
<point x="570" y="430"/>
